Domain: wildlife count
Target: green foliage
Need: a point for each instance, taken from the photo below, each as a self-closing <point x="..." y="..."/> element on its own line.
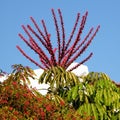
<point x="97" y="96"/>
<point x="60" y="81"/>
<point x="58" y="76"/>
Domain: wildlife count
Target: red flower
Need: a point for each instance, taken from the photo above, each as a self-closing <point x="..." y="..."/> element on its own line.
<point x="62" y="102"/>
<point x="39" y="99"/>
<point x="42" y="114"/>
<point x="25" y="95"/>
<point x="15" y="113"/>
<point x="4" y="101"/>
<point x="14" y="83"/>
<point x="41" y="109"/>
<point x="27" y="113"/>
<point x="14" y="118"/>
<point x="26" y="103"/>
<point x="48" y="108"/>
<point x="10" y="108"/>
<point x="17" y="95"/>
<point x="74" y="119"/>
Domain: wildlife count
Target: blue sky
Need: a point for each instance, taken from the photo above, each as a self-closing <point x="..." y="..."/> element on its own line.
<point x="105" y="46"/>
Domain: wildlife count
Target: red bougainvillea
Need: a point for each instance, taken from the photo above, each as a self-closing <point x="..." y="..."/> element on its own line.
<point x="18" y="102"/>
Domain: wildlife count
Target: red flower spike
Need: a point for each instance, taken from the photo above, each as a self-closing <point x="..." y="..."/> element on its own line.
<point x="67" y="51"/>
<point x="24" y="54"/>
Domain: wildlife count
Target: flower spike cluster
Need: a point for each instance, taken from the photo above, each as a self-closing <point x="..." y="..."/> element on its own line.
<point x="66" y="53"/>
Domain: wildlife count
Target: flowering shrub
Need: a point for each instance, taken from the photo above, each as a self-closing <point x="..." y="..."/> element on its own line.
<point x="18" y="102"/>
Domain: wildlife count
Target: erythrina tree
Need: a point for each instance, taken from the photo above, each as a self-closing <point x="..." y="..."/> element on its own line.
<point x="68" y="51"/>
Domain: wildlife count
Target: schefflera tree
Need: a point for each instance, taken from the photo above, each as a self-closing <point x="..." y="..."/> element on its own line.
<point x="55" y="60"/>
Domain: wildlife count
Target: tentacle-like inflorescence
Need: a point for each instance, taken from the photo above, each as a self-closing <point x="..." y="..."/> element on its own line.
<point x="67" y="50"/>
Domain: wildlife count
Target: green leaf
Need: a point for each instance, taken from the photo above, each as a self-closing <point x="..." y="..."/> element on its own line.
<point x="69" y="97"/>
<point x="88" y="108"/>
<point x="42" y="77"/>
<point x="95" y="113"/>
<point x="75" y="92"/>
<point x="101" y="111"/>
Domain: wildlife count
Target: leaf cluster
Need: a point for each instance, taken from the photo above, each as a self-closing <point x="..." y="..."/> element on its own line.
<point x="97" y="96"/>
